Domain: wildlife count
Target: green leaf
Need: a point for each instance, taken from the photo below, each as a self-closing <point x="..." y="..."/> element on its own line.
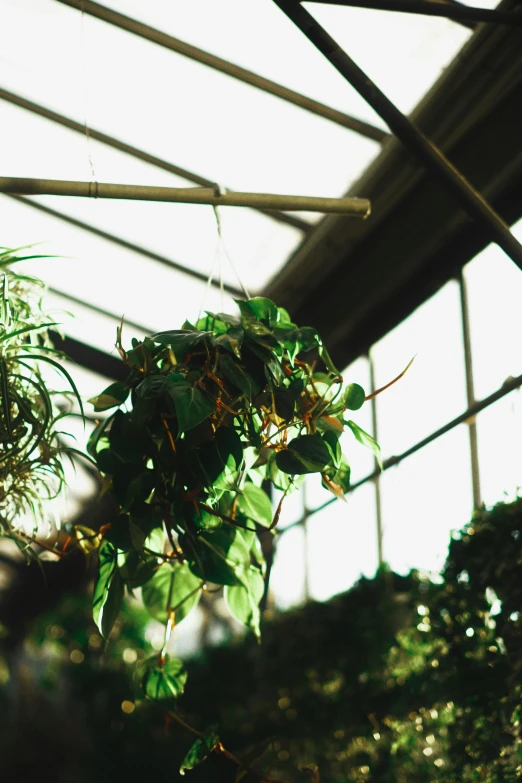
<point x="229" y="444"/>
<point x="334" y="447"/>
<point x="192" y="406"/>
<point x="255" y="504"/>
<point x="173" y="587"/>
<point x="220" y="459"/>
<point x="114" y="395"/>
<point x="325" y="356"/>
<point x="108" y="590"/>
<point x="180" y="338"/>
<point x="134" y="570"/>
<point x="342" y="476"/>
<point x="26" y="329"/>
<point x="243" y="600"/>
<point x="124" y="534"/>
<point x="59" y="367"/>
<point x="353" y="396"/>
<point x="163" y="683"/>
<point x="366" y="440"/>
<point x="237" y="376"/>
<point x="284" y="318"/>
<point x="199" y="751"/>
<point x="224" y="556"/>
<point x="206" y="521"/>
<point x="305" y="454"/>
<point x="231" y="340"/>
<point x="260" y="309"/>
<point x="151" y="386"/>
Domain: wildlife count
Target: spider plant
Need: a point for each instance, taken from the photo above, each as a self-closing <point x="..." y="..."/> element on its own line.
<point x="31" y="413"/>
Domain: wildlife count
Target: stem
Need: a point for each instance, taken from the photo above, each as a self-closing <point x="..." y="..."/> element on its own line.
<point x="185" y="725"/>
<point x="387" y="386"/>
<point x="219" y="748"/>
<point x="228" y="519"/>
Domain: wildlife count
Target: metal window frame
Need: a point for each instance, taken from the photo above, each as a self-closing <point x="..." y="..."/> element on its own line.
<point x="135" y="152"/>
<point x="224" y="66"/>
<point x="455" y="12"/>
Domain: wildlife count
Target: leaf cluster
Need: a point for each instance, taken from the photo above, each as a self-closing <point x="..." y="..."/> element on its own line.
<point x="209" y="417"/>
<point x="31" y="453"/>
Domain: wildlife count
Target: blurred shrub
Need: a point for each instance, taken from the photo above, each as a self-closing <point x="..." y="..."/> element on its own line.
<point x="400" y="679"/>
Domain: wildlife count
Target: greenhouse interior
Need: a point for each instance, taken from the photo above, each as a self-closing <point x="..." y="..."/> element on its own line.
<point x="260" y="407"/>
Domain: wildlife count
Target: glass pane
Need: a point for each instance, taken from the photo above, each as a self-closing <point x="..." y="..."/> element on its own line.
<point x="433" y="391"/>
<point x="98" y="272"/>
<point x="244" y="30"/>
<point x="342" y="544"/>
<point x="423" y="500"/>
<point x="185" y="233"/>
<point x="494" y="291"/>
<point x="499" y="434"/>
<point x="287" y="578"/>
<point x="403" y="53"/>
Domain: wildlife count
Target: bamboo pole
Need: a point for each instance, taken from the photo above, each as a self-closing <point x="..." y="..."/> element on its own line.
<point x="455" y="12"/>
<point x="349" y="206"/>
<point x="128" y="149"/>
<point x="223" y="66"/>
<point x="427" y="153"/>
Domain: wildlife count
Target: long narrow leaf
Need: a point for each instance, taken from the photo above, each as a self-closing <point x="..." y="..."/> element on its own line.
<point x="61" y="369"/>
<point x="27" y="329"/>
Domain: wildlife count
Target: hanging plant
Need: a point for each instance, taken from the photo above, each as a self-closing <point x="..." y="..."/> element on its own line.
<point x="208" y="418"/>
<point x="31" y="453"/>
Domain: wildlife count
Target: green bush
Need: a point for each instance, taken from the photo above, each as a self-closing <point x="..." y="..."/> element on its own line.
<point x="399" y="679"/>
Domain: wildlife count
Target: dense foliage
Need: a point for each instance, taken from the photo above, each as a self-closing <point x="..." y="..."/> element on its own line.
<point x="208" y="416"/>
<point x="400" y="680"/>
<point x="31" y="468"/>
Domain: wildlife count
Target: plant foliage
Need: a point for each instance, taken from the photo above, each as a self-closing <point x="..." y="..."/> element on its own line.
<point x="384" y="684"/>
<point x="210" y="416"/>
<point x="31" y="467"/>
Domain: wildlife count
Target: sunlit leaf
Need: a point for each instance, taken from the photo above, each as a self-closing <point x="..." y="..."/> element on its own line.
<point x="243" y="600"/>
<point x="164" y="681"/>
<point x="173" y="587"/>
<point x="366" y="440"/>
<point x="199" y="751"/>
<point x="108" y="590"/>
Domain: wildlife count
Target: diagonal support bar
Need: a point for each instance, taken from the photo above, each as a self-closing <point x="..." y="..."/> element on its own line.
<point x="349" y="206"/>
<point x="456" y="12"/>
<point x="428" y="154"/>
<point x="110" y="141"/>
<point x="224" y="66"/>
<point x="142" y="251"/>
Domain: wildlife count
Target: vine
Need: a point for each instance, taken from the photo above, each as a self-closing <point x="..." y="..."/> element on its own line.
<point x="208" y="418"/>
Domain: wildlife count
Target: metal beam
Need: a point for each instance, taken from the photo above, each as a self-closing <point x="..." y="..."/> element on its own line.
<point x="431" y="157"/>
<point x="223" y="66"/>
<point x="456" y="12"/>
<point x="123" y="243"/>
<point x="508" y="386"/>
<point x="98" y="310"/>
<point x="91" y="358"/>
<point x="128" y="149"/>
<point x="349" y="206"/>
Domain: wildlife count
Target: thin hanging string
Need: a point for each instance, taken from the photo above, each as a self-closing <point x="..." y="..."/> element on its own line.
<point x="207" y="286"/>
<point x="219" y="253"/>
<point x="219" y="191"/>
<point x="86" y="99"/>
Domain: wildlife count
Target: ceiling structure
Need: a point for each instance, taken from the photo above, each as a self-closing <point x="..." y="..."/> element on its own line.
<point x="145" y="95"/>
